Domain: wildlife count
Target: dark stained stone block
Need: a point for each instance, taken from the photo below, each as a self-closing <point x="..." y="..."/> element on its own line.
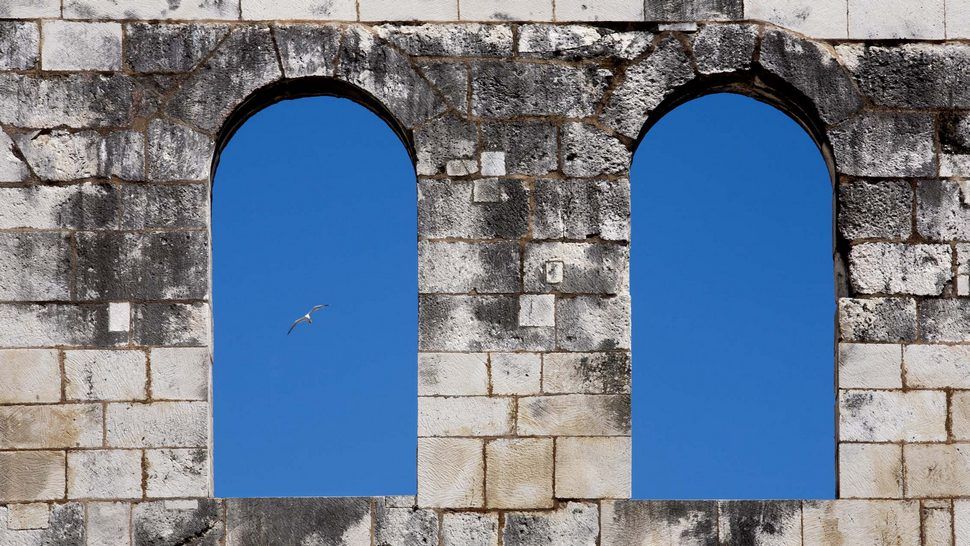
<point x="875" y="208"/>
<point x="693" y="10"/>
<point x="660" y="522"/>
<point x="505" y="89"/>
<point x="157" y="47"/>
<point x="760" y="522"/>
<point x="327" y="520"/>
<point x="447" y="209"/>
<point x="154" y="524"/>
<point x="885" y="144"/>
<point x="171" y="324"/>
<point x="477" y="323"/>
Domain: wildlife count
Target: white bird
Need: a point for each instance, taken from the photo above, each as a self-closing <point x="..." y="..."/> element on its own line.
<point x="305" y="318"/>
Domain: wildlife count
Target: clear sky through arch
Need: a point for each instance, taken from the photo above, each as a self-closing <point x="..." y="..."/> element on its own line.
<point x="733" y="306"/>
<point x="314" y="201"/>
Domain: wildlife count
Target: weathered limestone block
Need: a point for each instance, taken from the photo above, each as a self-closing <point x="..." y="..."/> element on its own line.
<point x="176" y="473"/>
<point x="943" y="210"/>
<point x="444" y="40"/>
<point x="870" y="471"/>
<point x="12" y="168"/>
<point x="591" y="373"/>
<point x="70" y="45"/>
<point x="519" y="473"/>
<point x="176" y="152"/>
<point x="507" y="10"/>
<point x="78" y="206"/>
<point x="165" y="206"/>
<point x="912" y="75"/>
<point x="877" y="319"/>
<point x="870" y="366"/>
<point x="180" y="373"/>
<point x="451" y="472"/>
<point x="392" y="10"/>
<point x="579" y="209"/>
<point x="34" y="266"/>
<point x="154" y="47"/>
<point x="50" y="426"/>
<point x="404" y="525"/>
<point x="860" y="522"/>
<point x="516" y="373"/>
<point x="29" y="376"/>
<point x="328" y="10"/>
<point x="504" y="89"/>
<point x="592" y="323"/>
<point x="587" y="268"/>
<point x="574" y="42"/>
<point x="574" y="415"/>
<point x="168" y="523"/>
<point x="889" y="268"/>
<point x="174" y="324"/>
<point x="446" y="208"/>
<point x="150" y="9"/>
<point x="945" y="320"/>
<point x="875" y="208"/>
<point x="645" y="85"/>
<point x="537" y="310"/>
<point x="588" y="151"/>
<point x="73" y="100"/>
<point x="464" y="416"/>
<point x="65" y="527"/>
<point x="941" y="470"/>
<point x="954" y="145"/>
<point x="594" y="468"/>
<point x="452" y="374"/>
<point x="32" y="476"/>
<point x="104" y="474"/>
<point x="62" y="155"/>
<point x="659" y="522"/>
<point x="469" y="529"/>
<point x="34" y="515"/>
<point x="960" y="415"/>
<point x="19" y="45"/>
<point x="105" y="375"/>
<point x="482" y="268"/>
<point x="244" y="62"/>
<point x="937" y="366"/>
<point x="442" y="140"/>
<point x="760" y="522"/>
<point x="894" y="19"/>
<point x="822" y="18"/>
<point x="885" y="144"/>
<point x="451" y="80"/>
<point x="108" y="524"/>
<point x="679" y="10"/>
<point x="254" y="522"/>
<point x="154" y="266"/>
<point x="307" y="50"/>
<point x="937" y="522"/>
<point x="530" y="147"/>
<point x="724" y="48"/>
<point x="892" y="416"/>
<point x="573" y="523"/>
<point x="158" y="424"/>
<point x="477" y="323"/>
<point x="606" y="10"/>
<point x="26" y="9"/>
<point x="55" y="324"/>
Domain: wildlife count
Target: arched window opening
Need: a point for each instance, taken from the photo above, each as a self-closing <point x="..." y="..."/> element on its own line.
<point x="314" y="203"/>
<point x="733" y="302"/>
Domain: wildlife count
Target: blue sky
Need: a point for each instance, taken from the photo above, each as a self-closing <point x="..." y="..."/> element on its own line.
<point x="314" y="201"/>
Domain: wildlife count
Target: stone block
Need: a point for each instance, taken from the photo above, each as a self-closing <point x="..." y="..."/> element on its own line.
<point x="19" y="45"/>
<point x="760" y="522"/>
<point x="28" y="9"/>
<point x="29" y="376"/>
<point x="454" y="40"/>
<point x="176" y="152"/>
<point x="78" y="206"/>
<point x="104" y="474"/>
<point x="50" y="426"/>
<point x="504" y="89"/>
<point x="155" y="47"/>
<point x="961" y="521"/>
<point x="55" y="324"/>
<point x="65" y="528"/>
<point x="307" y="50"/>
<point x="954" y="136"/>
<point x="860" y="146"/>
<point x="446" y="209"/>
<point x="464" y="416"/>
<point x="454" y="267"/>
<point x="912" y="75"/>
<point x="659" y="522"/>
<point x="180" y="373"/>
<point x="937" y="366"/>
<point x="572" y="523"/>
<point x="895" y="19"/>
<point x="877" y="319"/>
<point x="31" y="476"/>
<point x="201" y="522"/>
<point x="860" y="522"/>
<point x="519" y="473"/>
<point x="580" y="209"/>
<point x="892" y="416"/>
<point x="450" y="79"/>
<point x="891" y="268"/>
<point x="937" y="470"/>
<point x="592" y="323"/>
<point x="588" y="268"/>
<point x="529" y="147"/>
<point x="326" y="10"/>
<point x="960" y="415"/>
<point x="109" y="9"/>
<point x="681" y="10"/>
<point x="174" y="324"/>
<point x="589" y="373"/>
<point x="176" y="473"/>
<point x="870" y="471"/>
<point x="441" y="140"/>
<point x="390" y="10"/>
<point x="937" y="524"/>
<point x="943" y="210"/>
<point x="875" y="208"/>
<point x="451" y="472"/>
<point x="594" y="468"/>
<point x="516" y="373"/>
<point x="119" y="316"/>
<point x="108" y="524"/>
<point x="537" y="310"/>
<point x="574" y="415"/>
<point x="95" y="100"/>
<point x="870" y="366"/>
<point x="588" y="151"/>
<point x="452" y="374"/>
<point x="105" y="375"/>
<point x="461" y="167"/>
<point x="506" y="10"/>
<point x="724" y="48"/>
<point x="945" y="320"/>
<point x="469" y="529"/>
<point x="819" y="19"/>
<point x="575" y="42"/>
<point x="253" y="522"/>
<point x="35" y="515"/>
<point x="159" y="424"/>
<point x="476" y="324"/>
<point x="609" y="10"/>
<point x="165" y="206"/>
<point x="70" y="45"/>
<point x="12" y="168"/>
<point x="403" y="525"/>
<point x="60" y="155"/>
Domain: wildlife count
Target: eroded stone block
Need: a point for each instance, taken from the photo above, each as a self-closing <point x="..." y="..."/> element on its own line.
<point x="589" y="151"/>
<point x="724" y="48"/>
<point x="108" y="524"/>
<point x="104" y="474"/>
<point x="34" y="515"/>
<point x="592" y="373"/>
<point x="574" y="415"/>
<point x="61" y="155"/>
<point x="503" y="89"/>
<point x="945" y="320"/>
<point x="160" y="523"/>
<point x="760" y="522"/>
<point x="74" y="100"/>
<point x="529" y="147"/>
<point x="70" y="45"/>
<point x="455" y="267"/>
<point x="65" y="528"/>
<point x="446" y="208"/>
<point x="34" y="266"/>
<point x="176" y="473"/>
<point x="444" y="40"/>
<point x="875" y="208"/>
<point x="19" y="45"/>
<point x="469" y="529"/>
<point x="477" y="323"/>
<point x="885" y="144"/>
<point x="591" y="323"/>
<point x="937" y="366"/>
<point x="889" y="268"/>
<point x="892" y="416"/>
<point x="407" y="526"/>
<point x="877" y="319"/>
<point x="573" y="523"/>
<point x="659" y="522"/>
<point x="158" y="424"/>
<point x="588" y="268"/>
<point x="176" y="152"/>
<point x="580" y="209"/>
<point x="174" y="324"/>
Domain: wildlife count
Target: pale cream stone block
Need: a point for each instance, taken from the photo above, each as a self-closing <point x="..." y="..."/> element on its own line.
<point x="464" y="416"/>
<point x="180" y="373"/>
<point x="105" y="375"/>
<point x="599" y="10"/>
<point x="519" y="473"/>
<point x="892" y="416"/>
<point x="937" y="523"/>
<point x="505" y="10"/>
<point x="177" y="473"/>
<point x="937" y="470"/>
<point x="816" y="18"/>
<point x="35" y="515"/>
<point x="960" y="415"/>
<point x="537" y="310"/>
<point x="452" y="374"/>
<point x="119" y="317"/>
<point x="61" y="426"/>
<point x="574" y="415"/>
<point x="594" y="468"/>
<point x="516" y="373"/>
<point x="411" y="10"/>
<point x="861" y="522"/>
<point x="29" y="9"/>
<point x="937" y="366"/>
<point x="870" y="366"/>
<point x="493" y="163"/>
<point x="961" y="521"/>
<point x="29" y="375"/>
<point x="890" y="19"/>
<point x="451" y="472"/>
<point x="870" y="471"/>
<point x="104" y="474"/>
<point x="108" y="524"/>
<point x="957" y="19"/>
<point x="159" y="424"/>
<point x="31" y="475"/>
<point x="69" y="45"/>
<point x="325" y="10"/>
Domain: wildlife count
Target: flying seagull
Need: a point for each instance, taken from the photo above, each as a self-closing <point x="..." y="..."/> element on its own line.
<point x="305" y="318"/>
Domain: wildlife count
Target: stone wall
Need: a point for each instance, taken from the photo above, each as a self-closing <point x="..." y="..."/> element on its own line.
<point x="522" y="135"/>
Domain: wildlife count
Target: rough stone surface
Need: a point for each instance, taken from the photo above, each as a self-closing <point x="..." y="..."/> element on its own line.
<point x="516" y="373"/>
<point x="50" y="426"/>
<point x="580" y="41"/>
<point x="45" y="255"/>
<point x="105" y="375"/>
<point x="159" y="424"/>
<point x="885" y="144"/>
<point x="451" y="472"/>
<point x="870" y="366"/>
<point x="659" y="522"/>
<point x="574" y="415"/>
<point x="587" y="268"/>
<point x="74" y="100"/>
<point x="870" y="471"/>
<point x="476" y="323"/>
<point x="889" y="268"/>
<point x="200" y="522"/>
<point x="482" y="268"/>
<point x="446" y="209"/>
<point x="590" y="323"/>
<point x="572" y="523"/>
<point x="19" y="45"/>
<point x="65" y="528"/>
<point x="937" y="366"/>
<point x="892" y="416"/>
<point x="912" y="75"/>
<point x="177" y="324"/>
<point x="104" y="474"/>
<point x="720" y="48"/>
<point x="29" y="376"/>
<point x="943" y="210"/>
<point x="63" y="156"/>
<point x="35" y="515"/>
<point x="530" y="147"/>
<point x="469" y="529"/>
<point x="176" y="152"/>
<point x="176" y="473"/>
<point x="404" y="525"/>
<point x="875" y="208"/>
<point x="504" y="90"/>
<point x="464" y="416"/>
<point x="593" y="373"/>
<point x="580" y="209"/>
<point x="877" y="319"/>
<point x="468" y="40"/>
<point x="180" y="374"/>
<point x="108" y="523"/>
<point x="760" y="522"/>
<point x="32" y="476"/>
<point x="71" y="45"/>
<point x="945" y="320"/>
<point x="452" y="374"/>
